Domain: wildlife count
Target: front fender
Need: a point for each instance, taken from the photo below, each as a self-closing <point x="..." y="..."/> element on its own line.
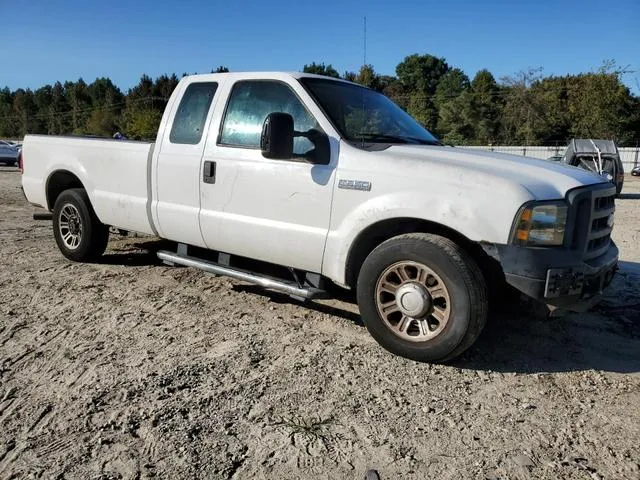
<point x="476" y="219"/>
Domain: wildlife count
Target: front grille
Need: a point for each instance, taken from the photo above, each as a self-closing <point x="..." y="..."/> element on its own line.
<point x="599" y="224"/>
<point x="600" y="232"/>
<point x="598" y="243"/>
<point x="604" y="203"/>
<point x="592" y="207"/>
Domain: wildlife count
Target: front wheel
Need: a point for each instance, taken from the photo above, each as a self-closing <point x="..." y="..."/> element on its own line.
<point x="422" y="297"/>
<point x="80" y="235"/>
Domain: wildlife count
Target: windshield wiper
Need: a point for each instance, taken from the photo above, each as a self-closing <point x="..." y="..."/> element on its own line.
<point x="394" y="138"/>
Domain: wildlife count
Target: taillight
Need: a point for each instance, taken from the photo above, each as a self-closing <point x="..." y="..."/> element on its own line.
<point x="20" y="164"/>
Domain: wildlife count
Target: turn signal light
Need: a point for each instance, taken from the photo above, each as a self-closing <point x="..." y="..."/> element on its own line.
<point x="541" y="224"/>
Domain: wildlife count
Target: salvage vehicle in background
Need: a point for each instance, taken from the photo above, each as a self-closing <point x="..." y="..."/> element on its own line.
<point x="9" y="153"/>
<point x="298" y="182"/>
<point x="636" y="171"/>
<point x="599" y="156"/>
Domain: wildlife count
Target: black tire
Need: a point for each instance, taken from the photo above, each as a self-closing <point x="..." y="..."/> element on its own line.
<point x="94" y="235"/>
<point x="462" y="278"/>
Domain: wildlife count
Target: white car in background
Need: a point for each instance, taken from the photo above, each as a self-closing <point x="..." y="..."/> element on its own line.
<point x="9" y="153"/>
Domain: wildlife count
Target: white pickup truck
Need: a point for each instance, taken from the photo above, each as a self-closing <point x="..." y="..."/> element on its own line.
<point x="327" y="182"/>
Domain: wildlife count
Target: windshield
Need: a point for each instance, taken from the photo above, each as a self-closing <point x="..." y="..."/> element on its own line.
<point x="364" y="115"/>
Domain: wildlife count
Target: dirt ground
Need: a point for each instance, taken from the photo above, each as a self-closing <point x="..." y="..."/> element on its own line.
<point x="132" y="369"/>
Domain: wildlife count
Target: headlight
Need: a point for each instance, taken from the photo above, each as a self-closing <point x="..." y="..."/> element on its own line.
<point x="541" y="224"/>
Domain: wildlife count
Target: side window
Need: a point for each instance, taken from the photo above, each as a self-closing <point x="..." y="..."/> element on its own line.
<point x="250" y="103"/>
<point x="189" y="120"/>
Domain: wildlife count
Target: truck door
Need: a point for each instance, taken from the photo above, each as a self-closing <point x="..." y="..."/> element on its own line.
<point x="178" y="165"/>
<point x="277" y="211"/>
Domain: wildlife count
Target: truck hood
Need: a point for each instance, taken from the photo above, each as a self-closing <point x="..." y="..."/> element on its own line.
<point x="545" y="180"/>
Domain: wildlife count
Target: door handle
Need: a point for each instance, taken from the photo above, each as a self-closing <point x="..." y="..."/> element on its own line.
<point x="209" y="172"/>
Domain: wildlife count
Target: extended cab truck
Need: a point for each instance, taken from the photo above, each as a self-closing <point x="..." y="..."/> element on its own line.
<point x="329" y="181"/>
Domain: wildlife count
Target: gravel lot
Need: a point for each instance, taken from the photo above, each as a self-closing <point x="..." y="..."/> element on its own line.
<point x="131" y="369"/>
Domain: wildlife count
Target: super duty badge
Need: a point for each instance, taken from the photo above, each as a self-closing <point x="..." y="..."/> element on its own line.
<point x="355" y="185"/>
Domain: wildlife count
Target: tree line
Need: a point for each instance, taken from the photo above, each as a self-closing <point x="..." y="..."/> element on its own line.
<point x="526" y="108"/>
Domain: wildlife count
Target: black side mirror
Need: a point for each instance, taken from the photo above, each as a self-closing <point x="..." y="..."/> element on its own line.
<point x="276" y="140"/>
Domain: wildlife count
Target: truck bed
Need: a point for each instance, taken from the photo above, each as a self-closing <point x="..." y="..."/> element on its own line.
<point x="115" y="173"/>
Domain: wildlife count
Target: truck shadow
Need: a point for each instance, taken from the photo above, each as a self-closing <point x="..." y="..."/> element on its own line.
<point x="606" y="338"/>
<point x="330" y="307"/>
<point x="143" y="253"/>
<point x="136" y="254"/>
<point x="517" y="341"/>
<point x="514" y="340"/>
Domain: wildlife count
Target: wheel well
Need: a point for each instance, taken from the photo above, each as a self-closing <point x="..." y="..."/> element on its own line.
<point x="381" y="231"/>
<point x="58" y="182"/>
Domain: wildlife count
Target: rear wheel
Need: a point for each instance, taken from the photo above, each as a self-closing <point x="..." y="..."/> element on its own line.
<point x="423" y="297"/>
<point x="80" y="236"/>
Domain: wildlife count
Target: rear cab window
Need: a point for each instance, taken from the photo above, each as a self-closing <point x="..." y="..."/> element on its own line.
<point x="191" y="116"/>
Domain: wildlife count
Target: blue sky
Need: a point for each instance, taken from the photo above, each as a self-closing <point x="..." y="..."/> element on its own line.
<point x="44" y="41"/>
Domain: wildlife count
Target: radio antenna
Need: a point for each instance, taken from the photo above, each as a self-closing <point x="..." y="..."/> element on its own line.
<point x="364" y="56"/>
<point x="364" y="62"/>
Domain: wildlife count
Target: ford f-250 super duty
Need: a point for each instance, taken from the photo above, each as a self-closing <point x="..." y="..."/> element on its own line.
<point x="329" y="182"/>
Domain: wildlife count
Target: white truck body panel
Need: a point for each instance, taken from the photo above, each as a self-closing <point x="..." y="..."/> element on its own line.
<point x="291" y="213"/>
<point x="114" y="173"/>
<point x="260" y="208"/>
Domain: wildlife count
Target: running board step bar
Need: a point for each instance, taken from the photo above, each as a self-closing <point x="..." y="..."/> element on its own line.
<point x="271" y="283"/>
<point x="43" y="216"/>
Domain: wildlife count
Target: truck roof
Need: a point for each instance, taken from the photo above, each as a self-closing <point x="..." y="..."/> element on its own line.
<point x="260" y="75"/>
